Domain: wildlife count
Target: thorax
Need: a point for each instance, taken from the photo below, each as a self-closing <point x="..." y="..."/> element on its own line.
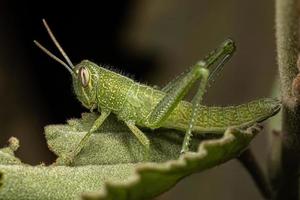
<point x="140" y="101"/>
<point x="112" y="90"/>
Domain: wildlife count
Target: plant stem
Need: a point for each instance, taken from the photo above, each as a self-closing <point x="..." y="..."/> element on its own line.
<point x="249" y="162"/>
<point x="285" y="181"/>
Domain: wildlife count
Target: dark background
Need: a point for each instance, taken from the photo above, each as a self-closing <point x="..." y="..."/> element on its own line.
<point x="151" y="40"/>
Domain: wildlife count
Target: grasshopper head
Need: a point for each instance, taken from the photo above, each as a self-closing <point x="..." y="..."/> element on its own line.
<point x="84" y="74"/>
<point x="85" y="83"/>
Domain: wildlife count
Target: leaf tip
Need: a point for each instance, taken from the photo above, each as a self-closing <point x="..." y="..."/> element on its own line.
<point x="13" y="143"/>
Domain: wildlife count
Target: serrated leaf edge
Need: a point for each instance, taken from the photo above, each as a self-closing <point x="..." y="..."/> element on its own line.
<point x="203" y="150"/>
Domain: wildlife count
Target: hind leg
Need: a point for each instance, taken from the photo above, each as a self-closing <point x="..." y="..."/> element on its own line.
<point x="178" y="88"/>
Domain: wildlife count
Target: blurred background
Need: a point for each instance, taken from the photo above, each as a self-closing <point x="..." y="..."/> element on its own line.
<point x="152" y="40"/>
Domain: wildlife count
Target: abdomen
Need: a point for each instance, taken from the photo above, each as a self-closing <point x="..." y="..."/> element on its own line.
<point x="217" y="119"/>
<point x="142" y="99"/>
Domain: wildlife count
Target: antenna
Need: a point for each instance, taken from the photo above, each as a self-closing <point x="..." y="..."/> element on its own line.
<point x="53" y="56"/>
<point x="57" y="44"/>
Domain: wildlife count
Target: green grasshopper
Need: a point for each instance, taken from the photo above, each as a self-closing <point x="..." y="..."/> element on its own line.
<point x="139" y="105"/>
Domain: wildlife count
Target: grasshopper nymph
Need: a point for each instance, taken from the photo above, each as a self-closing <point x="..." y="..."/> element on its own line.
<point x="139" y="105"/>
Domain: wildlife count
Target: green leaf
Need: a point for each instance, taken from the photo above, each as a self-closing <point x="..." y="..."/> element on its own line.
<point x="157" y="178"/>
<point x="114" y="165"/>
<point x="57" y="182"/>
<point x="113" y="143"/>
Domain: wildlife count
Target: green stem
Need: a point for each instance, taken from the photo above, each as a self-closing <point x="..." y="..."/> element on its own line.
<point x="285" y="181"/>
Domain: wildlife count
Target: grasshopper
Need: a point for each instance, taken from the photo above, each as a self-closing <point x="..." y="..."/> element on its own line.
<point x="139" y="105"/>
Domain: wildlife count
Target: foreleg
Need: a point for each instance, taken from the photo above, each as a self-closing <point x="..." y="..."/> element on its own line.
<point x="96" y="125"/>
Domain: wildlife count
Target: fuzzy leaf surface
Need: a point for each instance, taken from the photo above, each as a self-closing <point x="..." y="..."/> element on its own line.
<point x="114" y="165"/>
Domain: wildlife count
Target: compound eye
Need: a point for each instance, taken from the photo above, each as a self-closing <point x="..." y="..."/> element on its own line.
<point x="84" y="76"/>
